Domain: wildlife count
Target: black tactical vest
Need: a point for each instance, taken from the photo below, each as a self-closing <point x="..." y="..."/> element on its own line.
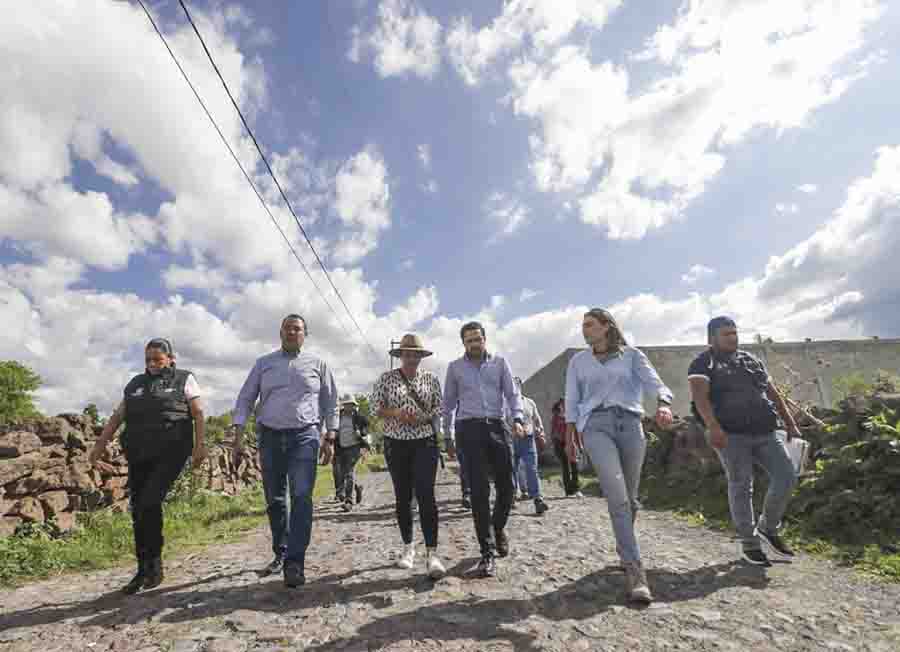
<point x="737" y="391"/>
<point x="157" y="414"/>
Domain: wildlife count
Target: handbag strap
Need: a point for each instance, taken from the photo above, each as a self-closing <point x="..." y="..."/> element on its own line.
<point x="413" y="392"/>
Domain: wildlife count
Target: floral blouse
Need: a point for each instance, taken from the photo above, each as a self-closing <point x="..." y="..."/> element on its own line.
<point x="391" y="392"/>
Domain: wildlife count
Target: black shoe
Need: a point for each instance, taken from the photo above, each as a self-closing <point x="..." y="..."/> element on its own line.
<point x="358" y="494"/>
<point x="154" y="573"/>
<point x="756" y="557"/>
<point x="137" y="582"/>
<point x="502" y="543"/>
<point x="487" y="567"/>
<point x="347" y="506"/>
<point x="540" y="506"/>
<point x="293" y="576"/>
<point x="274" y="566"/>
<point x="777" y="544"/>
<point x="466" y="503"/>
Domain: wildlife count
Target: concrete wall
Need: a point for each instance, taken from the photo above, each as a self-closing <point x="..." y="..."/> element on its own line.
<point x="815" y="366"/>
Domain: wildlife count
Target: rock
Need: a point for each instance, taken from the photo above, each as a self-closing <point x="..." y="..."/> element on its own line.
<point x="55" y="430"/>
<point x="19" y="467"/>
<point x="15" y="444"/>
<point x="65" y="521"/>
<point x="54" y="502"/>
<point x="226" y="645"/>
<point x="115" y="482"/>
<point x="707" y="615"/>
<point x="8" y="525"/>
<point x="185" y="645"/>
<point x="29" y="509"/>
<point x="37" y="482"/>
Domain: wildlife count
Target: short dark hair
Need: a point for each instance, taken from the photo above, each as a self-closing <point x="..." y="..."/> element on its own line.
<point x="294" y="315"/>
<point x="471" y="326"/>
<point x="712" y="328"/>
<point x="162" y="344"/>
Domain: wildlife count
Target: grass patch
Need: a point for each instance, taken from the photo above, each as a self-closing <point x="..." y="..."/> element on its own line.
<point x="104" y="538"/>
<point x="704" y="503"/>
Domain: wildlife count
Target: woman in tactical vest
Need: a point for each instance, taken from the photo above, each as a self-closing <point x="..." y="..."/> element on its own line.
<point x="164" y="426"/>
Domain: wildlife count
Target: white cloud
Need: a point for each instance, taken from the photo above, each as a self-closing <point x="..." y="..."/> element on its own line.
<point x="407" y="265"/>
<point x="431" y="187"/>
<point x="543" y="23"/>
<point x="696" y="273"/>
<point x="527" y="294"/>
<point x="638" y="157"/>
<point x="506" y="212"/>
<point x="808" y="188"/>
<point x="405" y="40"/>
<point x="786" y="209"/>
<point x="362" y="201"/>
<point x="423" y="151"/>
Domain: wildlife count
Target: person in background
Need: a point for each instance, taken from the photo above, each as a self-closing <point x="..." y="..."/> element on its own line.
<point x="525" y="451"/>
<point x="351" y="444"/>
<point x="454" y="452"/>
<point x="571" y="482"/>
<point x="164" y="425"/>
<point x="297" y="395"/>
<point x="409" y="400"/>
<point x="605" y="385"/>
<point x="735" y="399"/>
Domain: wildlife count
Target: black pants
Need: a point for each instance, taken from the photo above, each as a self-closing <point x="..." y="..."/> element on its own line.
<point x="148" y="483"/>
<point x="413" y="467"/>
<point x="569" y="470"/>
<point x="345" y="460"/>
<point x="487" y="451"/>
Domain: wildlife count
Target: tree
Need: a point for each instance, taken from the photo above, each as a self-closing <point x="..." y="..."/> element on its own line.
<point x="17" y="382"/>
<point x="93" y="414"/>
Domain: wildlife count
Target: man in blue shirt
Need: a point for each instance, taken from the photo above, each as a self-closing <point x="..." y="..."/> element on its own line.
<point x="476" y="387"/>
<point x="296" y="393"/>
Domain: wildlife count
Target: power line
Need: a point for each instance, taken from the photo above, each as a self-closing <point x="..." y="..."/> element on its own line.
<point x="272" y="174"/>
<point x="240" y="165"/>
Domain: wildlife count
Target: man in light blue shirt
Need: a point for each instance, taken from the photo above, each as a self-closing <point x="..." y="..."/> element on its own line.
<point x="297" y="393"/>
<point x="476" y="386"/>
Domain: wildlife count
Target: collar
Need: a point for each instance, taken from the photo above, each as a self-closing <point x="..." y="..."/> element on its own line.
<point x="289" y="354"/>
<point x="484" y="357"/>
<point x="724" y="357"/>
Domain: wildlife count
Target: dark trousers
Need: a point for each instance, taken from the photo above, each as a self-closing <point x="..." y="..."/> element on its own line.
<point x="463" y="477"/>
<point x="487" y="452"/>
<point x="569" y="469"/>
<point x="412" y="464"/>
<point x="288" y="458"/>
<point x="345" y="460"/>
<point x="148" y="483"/>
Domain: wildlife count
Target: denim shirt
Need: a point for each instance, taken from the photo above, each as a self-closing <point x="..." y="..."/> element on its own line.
<point x="477" y="389"/>
<point x="619" y="381"/>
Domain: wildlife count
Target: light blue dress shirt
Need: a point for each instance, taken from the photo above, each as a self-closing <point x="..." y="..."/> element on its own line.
<point x="620" y="381"/>
<point x="477" y="388"/>
<point x="295" y="390"/>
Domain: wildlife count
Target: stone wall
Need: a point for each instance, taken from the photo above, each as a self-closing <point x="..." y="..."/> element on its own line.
<point x="45" y="475"/>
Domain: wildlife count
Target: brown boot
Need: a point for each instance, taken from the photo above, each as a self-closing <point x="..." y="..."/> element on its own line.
<point x="636" y="583"/>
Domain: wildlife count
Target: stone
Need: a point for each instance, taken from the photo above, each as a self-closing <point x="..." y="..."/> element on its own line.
<point x="54" y="502"/>
<point x="185" y="645"/>
<point x="19" y="467"/>
<point x="226" y="645"/>
<point x="65" y="521"/>
<point x="55" y="430"/>
<point x="115" y="482"/>
<point x="15" y="444"/>
<point x="8" y="525"/>
<point x="29" y="509"/>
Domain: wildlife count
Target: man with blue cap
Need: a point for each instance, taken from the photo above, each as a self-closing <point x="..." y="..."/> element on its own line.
<point x="735" y="398"/>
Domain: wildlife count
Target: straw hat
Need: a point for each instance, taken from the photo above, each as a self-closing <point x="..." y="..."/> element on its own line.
<point x="347" y="399"/>
<point x="411" y="342"/>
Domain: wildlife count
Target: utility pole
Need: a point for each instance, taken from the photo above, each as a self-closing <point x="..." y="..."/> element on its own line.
<point x="394" y="343"/>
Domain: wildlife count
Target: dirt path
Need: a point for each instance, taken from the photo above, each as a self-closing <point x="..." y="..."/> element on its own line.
<point x="555" y="592"/>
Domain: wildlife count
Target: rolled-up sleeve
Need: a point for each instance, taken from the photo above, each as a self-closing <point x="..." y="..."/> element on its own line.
<point x="451" y="397"/>
<point x="511" y="392"/>
<point x="572" y="396"/>
<point x="650" y="379"/>
<point x="328" y="395"/>
<point x="538" y="422"/>
<point x="247" y="396"/>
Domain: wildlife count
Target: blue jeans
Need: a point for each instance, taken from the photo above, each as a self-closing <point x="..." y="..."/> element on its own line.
<point x="289" y="458"/>
<point x="525" y="462"/>
<point x="740" y="455"/>
<point x="615" y="442"/>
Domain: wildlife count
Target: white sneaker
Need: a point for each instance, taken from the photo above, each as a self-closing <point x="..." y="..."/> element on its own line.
<point x="435" y="567"/>
<point x="578" y="494"/>
<point x="407" y="557"/>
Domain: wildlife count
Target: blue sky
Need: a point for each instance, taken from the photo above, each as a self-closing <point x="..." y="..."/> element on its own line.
<point x="514" y="162"/>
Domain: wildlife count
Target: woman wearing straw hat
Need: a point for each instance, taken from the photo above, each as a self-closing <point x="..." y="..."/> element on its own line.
<point x="409" y="400"/>
<point x="352" y="439"/>
<point x="604" y="392"/>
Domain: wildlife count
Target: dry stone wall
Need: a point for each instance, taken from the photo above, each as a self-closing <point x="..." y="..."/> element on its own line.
<point x="45" y="474"/>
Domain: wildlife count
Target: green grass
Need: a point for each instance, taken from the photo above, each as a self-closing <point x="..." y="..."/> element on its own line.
<point x="104" y="538"/>
<point x="710" y="509"/>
